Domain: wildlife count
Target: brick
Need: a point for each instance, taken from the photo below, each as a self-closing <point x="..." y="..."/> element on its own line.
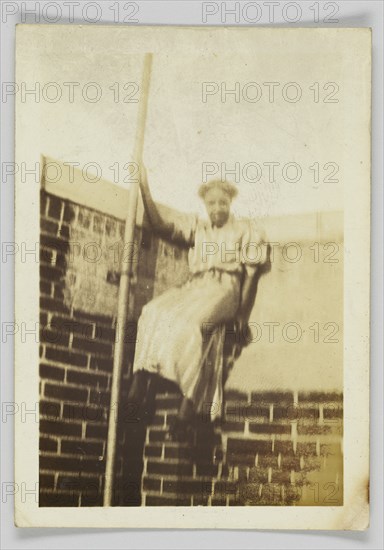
<point x="52" y="373"/>
<point x="82" y="448"/>
<point x="107" y="334"/>
<point x="92" y="498"/>
<point x="100" y="398"/>
<point x="66" y="393"/>
<point x="272" y="397"/>
<point x="43" y="319"/>
<point x="187" y="487"/>
<point x="177" y="451"/>
<point x="239" y="412"/>
<point x="61" y="260"/>
<point x="98" y="223"/>
<point x="86" y="378"/>
<point x="313" y="429"/>
<point x="206" y="438"/>
<point x="269" y="428"/>
<point x="233" y="426"/>
<point x="55" y="206"/>
<point x="306" y="449"/>
<point x="268" y="461"/>
<point x="93" y="346"/>
<point x="97" y="431"/>
<point x="152" y="451"/>
<point x="200" y="500"/>
<point x="235" y="501"/>
<point x="207" y="470"/>
<point x="78" y="482"/>
<point x="102" y="364"/>
<point x="332" y="412"/>
<point x="321" y="397"/>
<point x="218" y="455"/>
<point x="311" y="463"/>
<point x="46" y="256"/>
<point x="157" y="435"/>
<point x="98" y="319"/>
<point x="46" y="481"/>
<point x="110" y="227"/>
<point x="225" y="488"/>
<point x="290" y="463"/>
<point x="65" y="231"/>
<point x="169" y="469"/>
<point x="56" y="499"/>
<point x="84" y="412"/>
<point x="248" y="446"/>
<point x="68" y="357"/>
<point x="235" y="395"/>
<point x="54" y="337"/>
<point x="84" y="218"/>
<point x="330" y="449"/>
<point x="150" y="484"/>
<point x="257" y="475"/>
<point x="69" y="213"/>
<point x="67" y="324"/>
<point x="175" y="500"/>
<point x="72" y="464"/>
<point x="55" y="243"/>
<point x="50" y="273"/>
<point x="48" y="444"/>
<point x="48" y="226"/>
<point x="45" y="288"/>
<point x="281" y="476"/>
<point x="219" y="501"/>
<point x="43" y="201"/>
<point x="51" y="304"/>
<point x="55" y="427"/>
<point x="283" y="446"/>
<point x="158" y="420"/>
<point x="58" y="292"/>
<point x="50" y="409"/>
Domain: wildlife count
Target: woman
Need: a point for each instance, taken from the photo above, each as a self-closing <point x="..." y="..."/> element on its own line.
<point x="226" y="257"/>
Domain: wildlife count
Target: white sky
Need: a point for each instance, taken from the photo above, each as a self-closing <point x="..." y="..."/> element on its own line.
<point x="183" y="132"/>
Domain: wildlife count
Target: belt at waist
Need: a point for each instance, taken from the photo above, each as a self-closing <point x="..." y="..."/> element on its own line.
<point x="217" y="271"/>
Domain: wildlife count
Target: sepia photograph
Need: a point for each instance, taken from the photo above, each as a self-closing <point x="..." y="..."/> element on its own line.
<point x="199" y="202"/>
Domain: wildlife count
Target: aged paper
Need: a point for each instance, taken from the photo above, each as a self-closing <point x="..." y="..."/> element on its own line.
<point x="192" y="277"/>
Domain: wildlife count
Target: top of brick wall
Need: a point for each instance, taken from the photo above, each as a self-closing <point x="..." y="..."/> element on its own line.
<point x="69" y="183"/>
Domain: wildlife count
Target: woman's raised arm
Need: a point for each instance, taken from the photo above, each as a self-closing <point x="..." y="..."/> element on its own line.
<point x="164" y="227"/>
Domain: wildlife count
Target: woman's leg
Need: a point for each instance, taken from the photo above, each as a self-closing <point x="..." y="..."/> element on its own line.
<point x="141" y="395"/>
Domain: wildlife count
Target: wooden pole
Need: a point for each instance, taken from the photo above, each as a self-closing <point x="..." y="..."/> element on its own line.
<point x="125" y="280"/>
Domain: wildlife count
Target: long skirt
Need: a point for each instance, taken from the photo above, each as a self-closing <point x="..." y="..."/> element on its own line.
<point x="173" y="328"/>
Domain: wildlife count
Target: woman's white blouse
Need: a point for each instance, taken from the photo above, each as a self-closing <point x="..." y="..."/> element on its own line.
<point x="240" y="242"/>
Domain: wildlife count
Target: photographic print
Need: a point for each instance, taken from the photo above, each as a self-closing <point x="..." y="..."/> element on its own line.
<point x="192" y="220"/>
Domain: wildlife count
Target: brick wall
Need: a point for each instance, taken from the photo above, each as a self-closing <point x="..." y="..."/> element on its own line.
<point x="80" y="252"/>
<point x="76" y="352"/>
<point x="271" y="448"/>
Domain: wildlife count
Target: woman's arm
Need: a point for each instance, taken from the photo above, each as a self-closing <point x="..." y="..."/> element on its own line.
<point x="248" y="295"/>
<point x="165" y="228"/>
<point x="249" y="286"/>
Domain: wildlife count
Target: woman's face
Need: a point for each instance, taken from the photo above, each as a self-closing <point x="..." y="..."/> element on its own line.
<point x="218" y="205"/>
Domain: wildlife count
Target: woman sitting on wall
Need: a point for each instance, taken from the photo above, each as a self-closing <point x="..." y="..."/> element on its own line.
<point x="226" y="257"/>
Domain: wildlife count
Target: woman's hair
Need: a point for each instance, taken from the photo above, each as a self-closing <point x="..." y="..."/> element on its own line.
<point x="225" y="186"/>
